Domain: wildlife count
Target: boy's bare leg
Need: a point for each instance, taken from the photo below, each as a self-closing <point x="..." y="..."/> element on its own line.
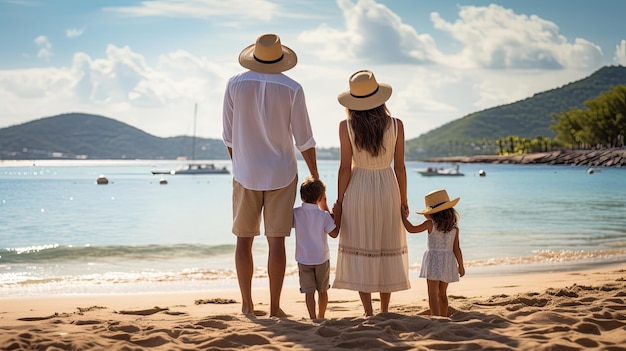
<point x="310" y="304"/>
<point x="245" y="268"/>
<point x="276" y="264"/>
<point x="322" y="299"/>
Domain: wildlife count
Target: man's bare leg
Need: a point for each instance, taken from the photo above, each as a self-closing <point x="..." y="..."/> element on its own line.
<point x="245" y="268"/>
<point x="276" y="263"/>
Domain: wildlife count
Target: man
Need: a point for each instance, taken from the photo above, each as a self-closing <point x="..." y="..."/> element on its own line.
<point x="264" y="112"/>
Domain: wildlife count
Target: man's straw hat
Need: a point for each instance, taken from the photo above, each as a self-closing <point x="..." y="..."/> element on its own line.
<point x="267" y="55"/>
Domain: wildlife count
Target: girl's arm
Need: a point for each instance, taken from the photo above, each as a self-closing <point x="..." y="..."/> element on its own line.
<point x="400" y="168"/>
<point x="458" y="254"/>
<point x="426" y="225"/>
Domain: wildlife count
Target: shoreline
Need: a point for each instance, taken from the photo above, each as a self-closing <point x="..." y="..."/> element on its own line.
<point x="168" y="282"/>
<point x="615" y="157"/>
<point x="574" y="310"/>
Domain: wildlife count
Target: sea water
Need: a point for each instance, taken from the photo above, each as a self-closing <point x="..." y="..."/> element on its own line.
<point x="62" y="233"/>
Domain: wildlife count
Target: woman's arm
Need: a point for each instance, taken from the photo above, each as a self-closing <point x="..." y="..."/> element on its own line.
<point x="345" y="163"/>
<point x="400" y="168"/>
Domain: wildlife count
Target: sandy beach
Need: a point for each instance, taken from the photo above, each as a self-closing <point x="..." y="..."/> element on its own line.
<point x="579" y="310"/>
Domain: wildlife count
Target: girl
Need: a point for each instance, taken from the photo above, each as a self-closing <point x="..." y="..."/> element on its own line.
<point x="443" y="260"/>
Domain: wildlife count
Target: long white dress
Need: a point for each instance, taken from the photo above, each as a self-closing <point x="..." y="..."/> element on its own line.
<point x="439" y="262"/>
<point x="373" y="254"/>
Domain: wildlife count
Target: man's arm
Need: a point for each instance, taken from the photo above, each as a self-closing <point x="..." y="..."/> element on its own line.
<point x="311" y="161"/>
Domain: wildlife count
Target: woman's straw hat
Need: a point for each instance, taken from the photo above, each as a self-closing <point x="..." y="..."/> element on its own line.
<point x="267" y="55"/>
<point x="364" y="93"/>
<point x="437" y="201"/>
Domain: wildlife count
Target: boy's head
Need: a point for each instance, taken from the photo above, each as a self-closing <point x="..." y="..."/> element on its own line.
<point x="311" y="190"/>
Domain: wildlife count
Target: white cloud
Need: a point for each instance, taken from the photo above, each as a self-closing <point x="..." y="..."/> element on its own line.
<point x="497" y="38"/>
<point x="73" y="32"/>
<point x="373" y="33"/>
<point x="121" y="85"/>
<point x="45" y="47"/>
<point x="620" y="53"/>
<point x="250" y="9"/>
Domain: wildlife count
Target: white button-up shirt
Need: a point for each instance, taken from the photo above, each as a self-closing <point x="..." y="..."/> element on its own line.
<point x="312" y="228"/>
<point x="262" y="115"/>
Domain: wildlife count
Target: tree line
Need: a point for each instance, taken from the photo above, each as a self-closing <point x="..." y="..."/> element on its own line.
<point x="601" y="124"/>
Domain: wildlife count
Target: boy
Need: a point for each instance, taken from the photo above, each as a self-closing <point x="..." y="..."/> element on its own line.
<point x="312" y="222"/>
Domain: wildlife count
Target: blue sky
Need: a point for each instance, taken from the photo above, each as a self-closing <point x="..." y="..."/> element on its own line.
<point x="146" y="63"/>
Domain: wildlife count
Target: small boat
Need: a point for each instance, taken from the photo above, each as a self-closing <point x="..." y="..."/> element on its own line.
<point x="435" y="172"/>
<point x="196" y="168"/>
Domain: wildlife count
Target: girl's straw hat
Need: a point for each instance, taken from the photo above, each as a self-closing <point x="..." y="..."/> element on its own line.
<point x="437" y="201"/>
<point x="364" y="93"/>
<point x="267" y="55"/>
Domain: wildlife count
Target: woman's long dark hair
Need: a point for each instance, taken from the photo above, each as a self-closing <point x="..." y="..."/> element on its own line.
<point x="369" y="128"/>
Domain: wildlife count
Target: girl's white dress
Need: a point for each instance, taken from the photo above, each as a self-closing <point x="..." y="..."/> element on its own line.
<point x="373" y="254"/>
<point x="439" y="262"/>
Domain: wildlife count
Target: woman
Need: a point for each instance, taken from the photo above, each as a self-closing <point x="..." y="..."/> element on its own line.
<point x="371" y="195"/>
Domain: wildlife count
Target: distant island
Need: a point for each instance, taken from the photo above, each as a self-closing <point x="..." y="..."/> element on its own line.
<point x="615" y="157"/>
<point x="81" y="136"/>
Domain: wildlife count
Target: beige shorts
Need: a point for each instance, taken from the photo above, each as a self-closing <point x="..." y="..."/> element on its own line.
<point x="275" y="205"/>
<point x="314" y="277"/>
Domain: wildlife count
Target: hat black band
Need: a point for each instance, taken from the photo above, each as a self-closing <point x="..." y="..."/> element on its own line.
<point x="437" y="205"/>
<point x="365" y="96"/>
<point x="269" y="62"/>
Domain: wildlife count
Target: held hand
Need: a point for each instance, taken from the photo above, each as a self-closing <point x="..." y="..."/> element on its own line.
<point x="404" y="209"/>
<point x="337" y="208"/>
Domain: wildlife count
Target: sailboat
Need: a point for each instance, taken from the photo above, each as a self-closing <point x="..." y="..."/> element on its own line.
<point x="195" y="167"/>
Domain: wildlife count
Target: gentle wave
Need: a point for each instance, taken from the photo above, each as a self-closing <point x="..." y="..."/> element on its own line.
<point x="55" y="253"/>
<point x="543" y="257"/>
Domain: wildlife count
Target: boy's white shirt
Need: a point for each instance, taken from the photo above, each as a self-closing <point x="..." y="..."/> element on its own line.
<point x="312" y="227"/>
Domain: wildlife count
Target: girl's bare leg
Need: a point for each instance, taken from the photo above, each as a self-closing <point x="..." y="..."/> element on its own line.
<point x="433" y="297"/>
<point x="443" y="299"/>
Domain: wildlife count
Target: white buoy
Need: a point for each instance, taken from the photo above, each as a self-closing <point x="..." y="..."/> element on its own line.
<point x="482" y="173"/>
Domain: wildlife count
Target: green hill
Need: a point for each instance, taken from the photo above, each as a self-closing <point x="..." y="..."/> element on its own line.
<point x="476" y="133"/>
<point x="79" y="135"/>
